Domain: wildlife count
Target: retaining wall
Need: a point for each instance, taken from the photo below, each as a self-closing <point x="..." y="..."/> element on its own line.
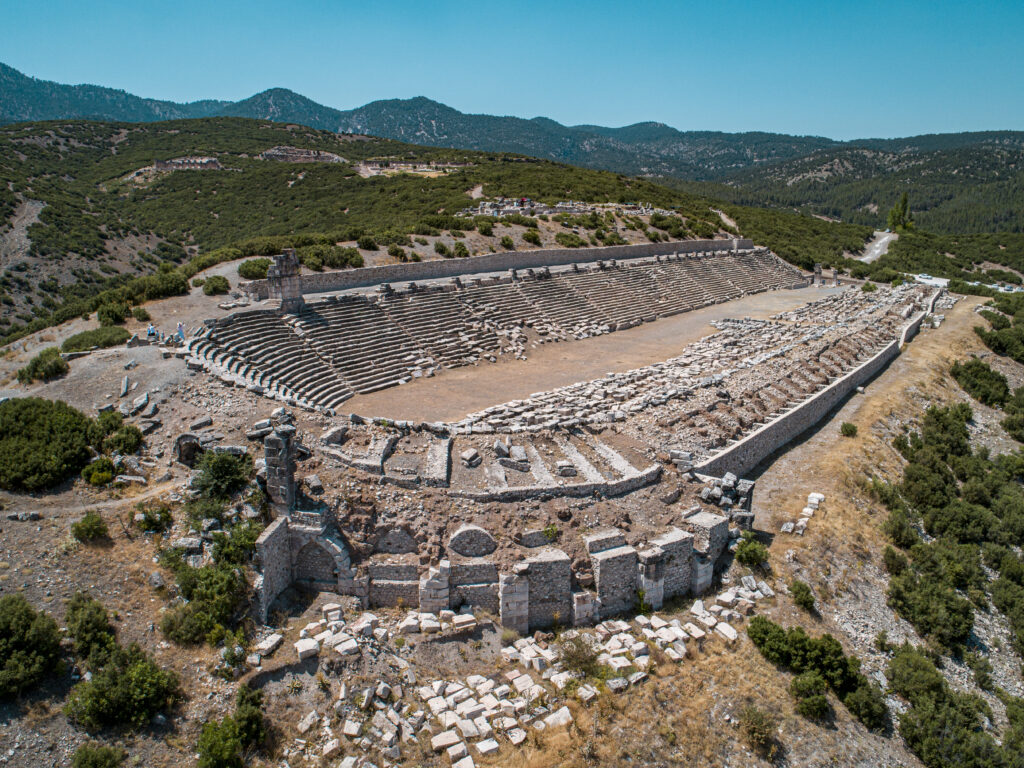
<point x="741" y="457"/>
<point x="341" y="280"/>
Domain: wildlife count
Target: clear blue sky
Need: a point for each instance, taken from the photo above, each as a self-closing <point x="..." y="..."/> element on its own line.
<point x="839" y="69"/>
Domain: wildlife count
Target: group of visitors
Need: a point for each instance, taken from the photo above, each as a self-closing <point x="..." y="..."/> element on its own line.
<point x="153" y="333"/>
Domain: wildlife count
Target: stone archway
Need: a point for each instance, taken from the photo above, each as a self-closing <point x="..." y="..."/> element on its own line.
<point x="314" y="563"/>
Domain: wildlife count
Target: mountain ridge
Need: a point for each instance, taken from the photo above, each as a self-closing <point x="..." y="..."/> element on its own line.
<point x="968" y="181"/>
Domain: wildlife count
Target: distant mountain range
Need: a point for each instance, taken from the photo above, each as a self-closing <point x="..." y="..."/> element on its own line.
<point x="854" y="180"/>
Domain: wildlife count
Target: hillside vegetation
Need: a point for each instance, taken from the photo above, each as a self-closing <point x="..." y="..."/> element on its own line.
<point x="109" y="236"/>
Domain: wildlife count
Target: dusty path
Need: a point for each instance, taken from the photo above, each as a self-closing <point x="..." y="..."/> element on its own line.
<point x="459" y="391"/>
<point x="14" y="243"/>
<point x="877" y="248"/>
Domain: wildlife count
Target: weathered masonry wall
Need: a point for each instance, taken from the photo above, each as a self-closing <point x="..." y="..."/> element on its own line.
<point x="741" y="457"/>
<point x="362" y="277"/>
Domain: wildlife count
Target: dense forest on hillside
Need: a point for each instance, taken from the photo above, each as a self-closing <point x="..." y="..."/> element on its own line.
<point x="954" y="189"/>
<point x="101" y="223"/>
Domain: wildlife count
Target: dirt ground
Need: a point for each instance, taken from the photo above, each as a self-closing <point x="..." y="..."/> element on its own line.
<point x="455" y="392"/>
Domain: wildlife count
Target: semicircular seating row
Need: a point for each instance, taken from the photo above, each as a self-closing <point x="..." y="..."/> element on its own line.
<point x="358" y="343"/>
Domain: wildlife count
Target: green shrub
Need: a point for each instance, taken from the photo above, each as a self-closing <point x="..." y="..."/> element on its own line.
<point x="127" y="692"/>
<point x="90" y="629"/>
<point x="485" y="228"/>
<point x="29" y="645"/>
<point x="214" y="593"/>
<point x="99" y="472"/>
<point x="140" y="314"/>
<point x="114" y="313"/>
<point x="224" y="743"/>
<point x="809" y="688"/>
<point x="221" y="474"/>
<point x="532" y="236"/>
<point x="45" y="366"/>
<point x="441" y="249"/>
<point x="155" y="519"/>
<point x="216" y="285"/>
<point x="795" y="650"/>
<point x="580" y="656"/>
<point x="396" y="251"/>
<point x="237" y="546"/>
<point x="254" y="269"/>
<point x="460" y="251"/>
<point x="802" y="595"/>
<point x="981" y="382"/>
<point x="98" y="337"/>
<point x="89" y="528"/>
<point x="367" y="243"/>
<point x="867" y="703"/>
<point x="847" y="429"/>
<point x="750" y="552"/>
<point x="126" y="440"/>
<point x="869" y="287"/>
<point x="506" y="243"/>
<point x="759" y="729"/>
<point x="42" y="442"/>
<point x="199" y="282"/>
<point x="895" y="562"/>
<point x="569" y="240"/>
<point x="95" y="755"/>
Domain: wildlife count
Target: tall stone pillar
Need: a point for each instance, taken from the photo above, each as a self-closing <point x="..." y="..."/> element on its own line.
<point x="651" y="576"/>
<point x="514" y="601"/>
<point x="283" y="278"/>
<point x="280" y="453"/>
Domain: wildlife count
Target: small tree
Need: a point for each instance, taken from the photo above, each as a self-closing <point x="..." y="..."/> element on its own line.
<point x="45" y="366"/>
<point x="95" y="755"/>
<point x="254" y="269"/>
<point x="758" y="729"/>
<point x="809" y="690"/>
<point x="749" y="551"/>
<point x="802" y="595"/>
<point x="221" y="474"/>
<point x="89" y="528"/>
<point x="29" y="645"/>
<point x="216" y="285"/>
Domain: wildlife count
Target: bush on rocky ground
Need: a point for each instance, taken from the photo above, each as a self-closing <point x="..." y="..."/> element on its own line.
<point x="227" y="743"/>
<point x="795" y="650"/>
<point x="216" y="285"/>
<point x="45" y="366"/>
<point x="42" y="442"/>
<point x="750" y="552"/>
<point x="29" y="646"/>
<point x="95" y="755"/>
<point x="90" y="528"/>
<point x="254" y="269"/>
<point x="127" y="692"/>
<point x="109" y="336"/>
<point x="221" y="474"/>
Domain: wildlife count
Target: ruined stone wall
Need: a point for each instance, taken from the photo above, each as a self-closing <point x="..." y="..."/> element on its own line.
<point x="741" y="457"/>
<point x="342" y="280"/>
<point x="274" y="555"/>
<point x="549" y="575"/>
<point x="615" y="576"/>
<point x="678" y="548"/>
<point x="475" y="584"/>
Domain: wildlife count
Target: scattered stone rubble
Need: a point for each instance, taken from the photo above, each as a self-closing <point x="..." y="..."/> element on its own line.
<point x="479" y="716"/>
<point x="799" y="526"/>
